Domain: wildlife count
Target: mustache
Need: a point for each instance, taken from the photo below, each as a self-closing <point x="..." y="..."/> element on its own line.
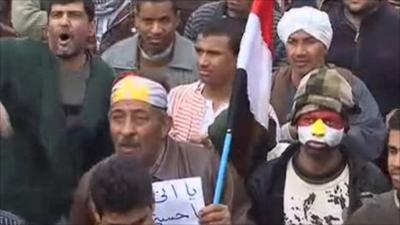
<point x="128" y="143"/>
<point x="395" y="171"/>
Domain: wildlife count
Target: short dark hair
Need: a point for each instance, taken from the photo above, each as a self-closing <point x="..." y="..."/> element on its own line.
<point x="140" y="2"/>
<point x="233" y="28"/>
<point x="87" y="4"/>
<point x="120" y="184"/>
<point x="394" y="120"/>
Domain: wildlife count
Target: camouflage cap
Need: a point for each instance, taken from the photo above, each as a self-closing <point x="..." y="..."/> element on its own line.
<point x="323" y="88"/>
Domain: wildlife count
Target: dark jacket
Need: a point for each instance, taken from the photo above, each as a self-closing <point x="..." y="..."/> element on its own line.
<point x="266" y="186"/>
<point x="381" y="209"/>
<point x="372" y="53"/>
<point x="180" y="160"/>
<point x="42" y="161"/>
<point x="186" y="8"/>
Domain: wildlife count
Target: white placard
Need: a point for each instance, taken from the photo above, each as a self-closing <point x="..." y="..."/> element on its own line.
<point x="178" y="201"/>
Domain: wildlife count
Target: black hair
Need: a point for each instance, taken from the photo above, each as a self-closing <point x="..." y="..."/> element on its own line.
<point x="173" y="3"/>
<point x="394" y="120"/>
<point x="87" y="4"/>
<point x="119" y="185"/>
<point x="233" y="28"/>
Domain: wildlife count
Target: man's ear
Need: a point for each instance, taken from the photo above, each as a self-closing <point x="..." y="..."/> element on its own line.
<point x="167" y="125"/>
<point x="45" y="32"/>
<point x="95" y="214"/>
<point x="92" y="28"/>
<point x="178" y="19"/>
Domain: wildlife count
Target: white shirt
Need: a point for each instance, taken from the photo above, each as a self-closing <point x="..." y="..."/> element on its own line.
<point x="210" y="115"/>
<point x="306" y="203"/>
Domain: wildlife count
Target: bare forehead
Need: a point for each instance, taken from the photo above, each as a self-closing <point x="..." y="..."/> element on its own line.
<point x="73" y="6"/>
<point x="394" y="136"/>
<point x="213" y="42"/>
<point x="147" y="8"/>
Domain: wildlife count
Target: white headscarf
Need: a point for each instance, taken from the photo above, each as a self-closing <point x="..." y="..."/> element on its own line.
<point x="313" y="21"/>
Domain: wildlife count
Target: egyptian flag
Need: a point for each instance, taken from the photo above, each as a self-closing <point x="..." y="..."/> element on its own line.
<point x="249" y="105"/>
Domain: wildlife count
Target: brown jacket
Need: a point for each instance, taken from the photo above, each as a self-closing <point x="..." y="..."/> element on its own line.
<point x="179" y="160"/>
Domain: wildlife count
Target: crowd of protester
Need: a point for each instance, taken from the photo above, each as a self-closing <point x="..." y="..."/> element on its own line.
<point x="101" y="98"/>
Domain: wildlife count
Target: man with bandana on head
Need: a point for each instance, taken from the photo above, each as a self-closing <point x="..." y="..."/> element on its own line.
<point x="307" y="34"/>
<point x="316" y="180"/>
<point x="139" y="126"/>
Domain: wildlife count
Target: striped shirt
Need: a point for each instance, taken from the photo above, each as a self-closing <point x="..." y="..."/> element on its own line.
<point x="217" y="10"/>
<point x="187" y="107"/>
<point x="7" y="218"/>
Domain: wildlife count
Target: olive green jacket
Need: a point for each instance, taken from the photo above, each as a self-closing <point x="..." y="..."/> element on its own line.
<point x="42" y="161"/>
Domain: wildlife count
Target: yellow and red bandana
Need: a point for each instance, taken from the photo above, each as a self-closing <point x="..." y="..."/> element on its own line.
<point x="134" y="87"/>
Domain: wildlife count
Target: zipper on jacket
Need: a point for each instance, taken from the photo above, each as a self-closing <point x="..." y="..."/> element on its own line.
<point x="356" y="58"/>
<point x="357" y="36"/>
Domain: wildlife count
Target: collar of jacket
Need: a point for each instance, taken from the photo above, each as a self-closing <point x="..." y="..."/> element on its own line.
<point x="396" y="198"/>
<point x="355" y="162"/>
<point x="369" y="19"/>
<point x="128" y="59"/>
<point x="168" y="164"/>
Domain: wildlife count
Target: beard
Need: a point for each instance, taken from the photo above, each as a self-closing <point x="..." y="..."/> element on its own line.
<point x="363" y="10"/>
<point x="72" y="50"/>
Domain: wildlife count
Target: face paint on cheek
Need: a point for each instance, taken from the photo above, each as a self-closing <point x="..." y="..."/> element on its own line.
<point x="332" y="137"/>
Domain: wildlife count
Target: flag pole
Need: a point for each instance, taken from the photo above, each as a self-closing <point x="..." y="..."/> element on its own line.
<point x="258" y="31"/>
<point x="223" y="167"/>
<point x="239" y="86"/>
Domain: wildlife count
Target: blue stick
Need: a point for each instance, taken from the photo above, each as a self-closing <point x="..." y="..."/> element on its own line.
<point x="219" y="188"/>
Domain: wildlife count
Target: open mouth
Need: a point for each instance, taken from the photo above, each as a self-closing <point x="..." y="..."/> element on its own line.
<point x="64" y="37"/>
